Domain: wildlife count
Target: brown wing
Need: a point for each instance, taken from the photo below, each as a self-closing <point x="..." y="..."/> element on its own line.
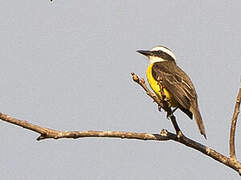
<point x="176" y="82"/>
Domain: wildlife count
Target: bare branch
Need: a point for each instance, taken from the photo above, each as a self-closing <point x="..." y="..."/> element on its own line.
<point x="47" y="133"/>
<point x="233" y="125"/>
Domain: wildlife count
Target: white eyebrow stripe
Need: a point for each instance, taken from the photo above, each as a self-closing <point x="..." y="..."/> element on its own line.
<point x="164" y="49"/>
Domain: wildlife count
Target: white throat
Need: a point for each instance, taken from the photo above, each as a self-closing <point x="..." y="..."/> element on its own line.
<point x="154" y="59"/>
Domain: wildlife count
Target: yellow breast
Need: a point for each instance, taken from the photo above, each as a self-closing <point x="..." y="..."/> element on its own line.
<point x="156" y="88"/>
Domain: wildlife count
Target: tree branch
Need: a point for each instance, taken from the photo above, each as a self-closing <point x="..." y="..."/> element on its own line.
<point x="46" y="133"/>
<point x="233" y="125"/>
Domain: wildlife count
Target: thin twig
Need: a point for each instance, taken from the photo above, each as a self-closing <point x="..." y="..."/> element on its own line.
<point x="233" y="125"/>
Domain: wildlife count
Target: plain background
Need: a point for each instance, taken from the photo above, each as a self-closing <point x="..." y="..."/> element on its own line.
<point x="67" y="64"/>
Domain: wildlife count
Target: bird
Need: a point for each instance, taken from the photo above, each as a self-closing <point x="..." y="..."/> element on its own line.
<point x="165" y="77"/>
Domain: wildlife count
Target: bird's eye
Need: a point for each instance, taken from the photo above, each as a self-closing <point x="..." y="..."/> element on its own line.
<point x="160" y="52"/>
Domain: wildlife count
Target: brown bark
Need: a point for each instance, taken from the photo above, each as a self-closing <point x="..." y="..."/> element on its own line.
<point x="233" y="126"/>
<point x="232" y="162"/>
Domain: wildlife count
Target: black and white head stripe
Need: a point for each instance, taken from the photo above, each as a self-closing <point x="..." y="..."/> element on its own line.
<point x="163" y="52"/>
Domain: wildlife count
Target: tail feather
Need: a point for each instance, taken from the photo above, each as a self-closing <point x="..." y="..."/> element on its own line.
<point x="197" y="116"/>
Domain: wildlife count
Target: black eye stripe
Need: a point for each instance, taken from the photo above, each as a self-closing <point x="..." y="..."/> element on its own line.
<point x="163" y="55"/>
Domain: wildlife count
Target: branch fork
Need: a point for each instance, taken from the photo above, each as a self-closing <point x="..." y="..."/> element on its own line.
<point x="165" y="135"/>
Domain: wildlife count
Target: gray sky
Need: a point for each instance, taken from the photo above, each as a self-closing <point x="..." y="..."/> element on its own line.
<point x="67" y="65"/>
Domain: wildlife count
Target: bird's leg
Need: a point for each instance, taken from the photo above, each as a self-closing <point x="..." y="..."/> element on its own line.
<point x="174" y="122"/>
<point x="169" y="114"/>
<point x="167" y="108"/>
<point x="176" y="127"/>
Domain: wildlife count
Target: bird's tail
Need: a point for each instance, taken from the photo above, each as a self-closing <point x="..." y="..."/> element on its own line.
<point x="198" y="118"/>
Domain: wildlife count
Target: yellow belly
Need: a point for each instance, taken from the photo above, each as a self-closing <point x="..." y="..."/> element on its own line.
<point x="156" y="88"/>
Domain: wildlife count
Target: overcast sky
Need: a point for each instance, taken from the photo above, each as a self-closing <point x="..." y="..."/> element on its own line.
<point x="67" y="64"/>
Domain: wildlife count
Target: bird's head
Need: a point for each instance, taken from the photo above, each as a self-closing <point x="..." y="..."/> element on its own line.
<point x="158" y="54"/>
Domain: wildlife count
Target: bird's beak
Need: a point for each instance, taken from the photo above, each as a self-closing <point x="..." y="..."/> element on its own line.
<point x="144" y="52"/>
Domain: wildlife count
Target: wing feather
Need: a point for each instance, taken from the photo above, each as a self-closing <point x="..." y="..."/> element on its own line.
<point x="176" y="81"/>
